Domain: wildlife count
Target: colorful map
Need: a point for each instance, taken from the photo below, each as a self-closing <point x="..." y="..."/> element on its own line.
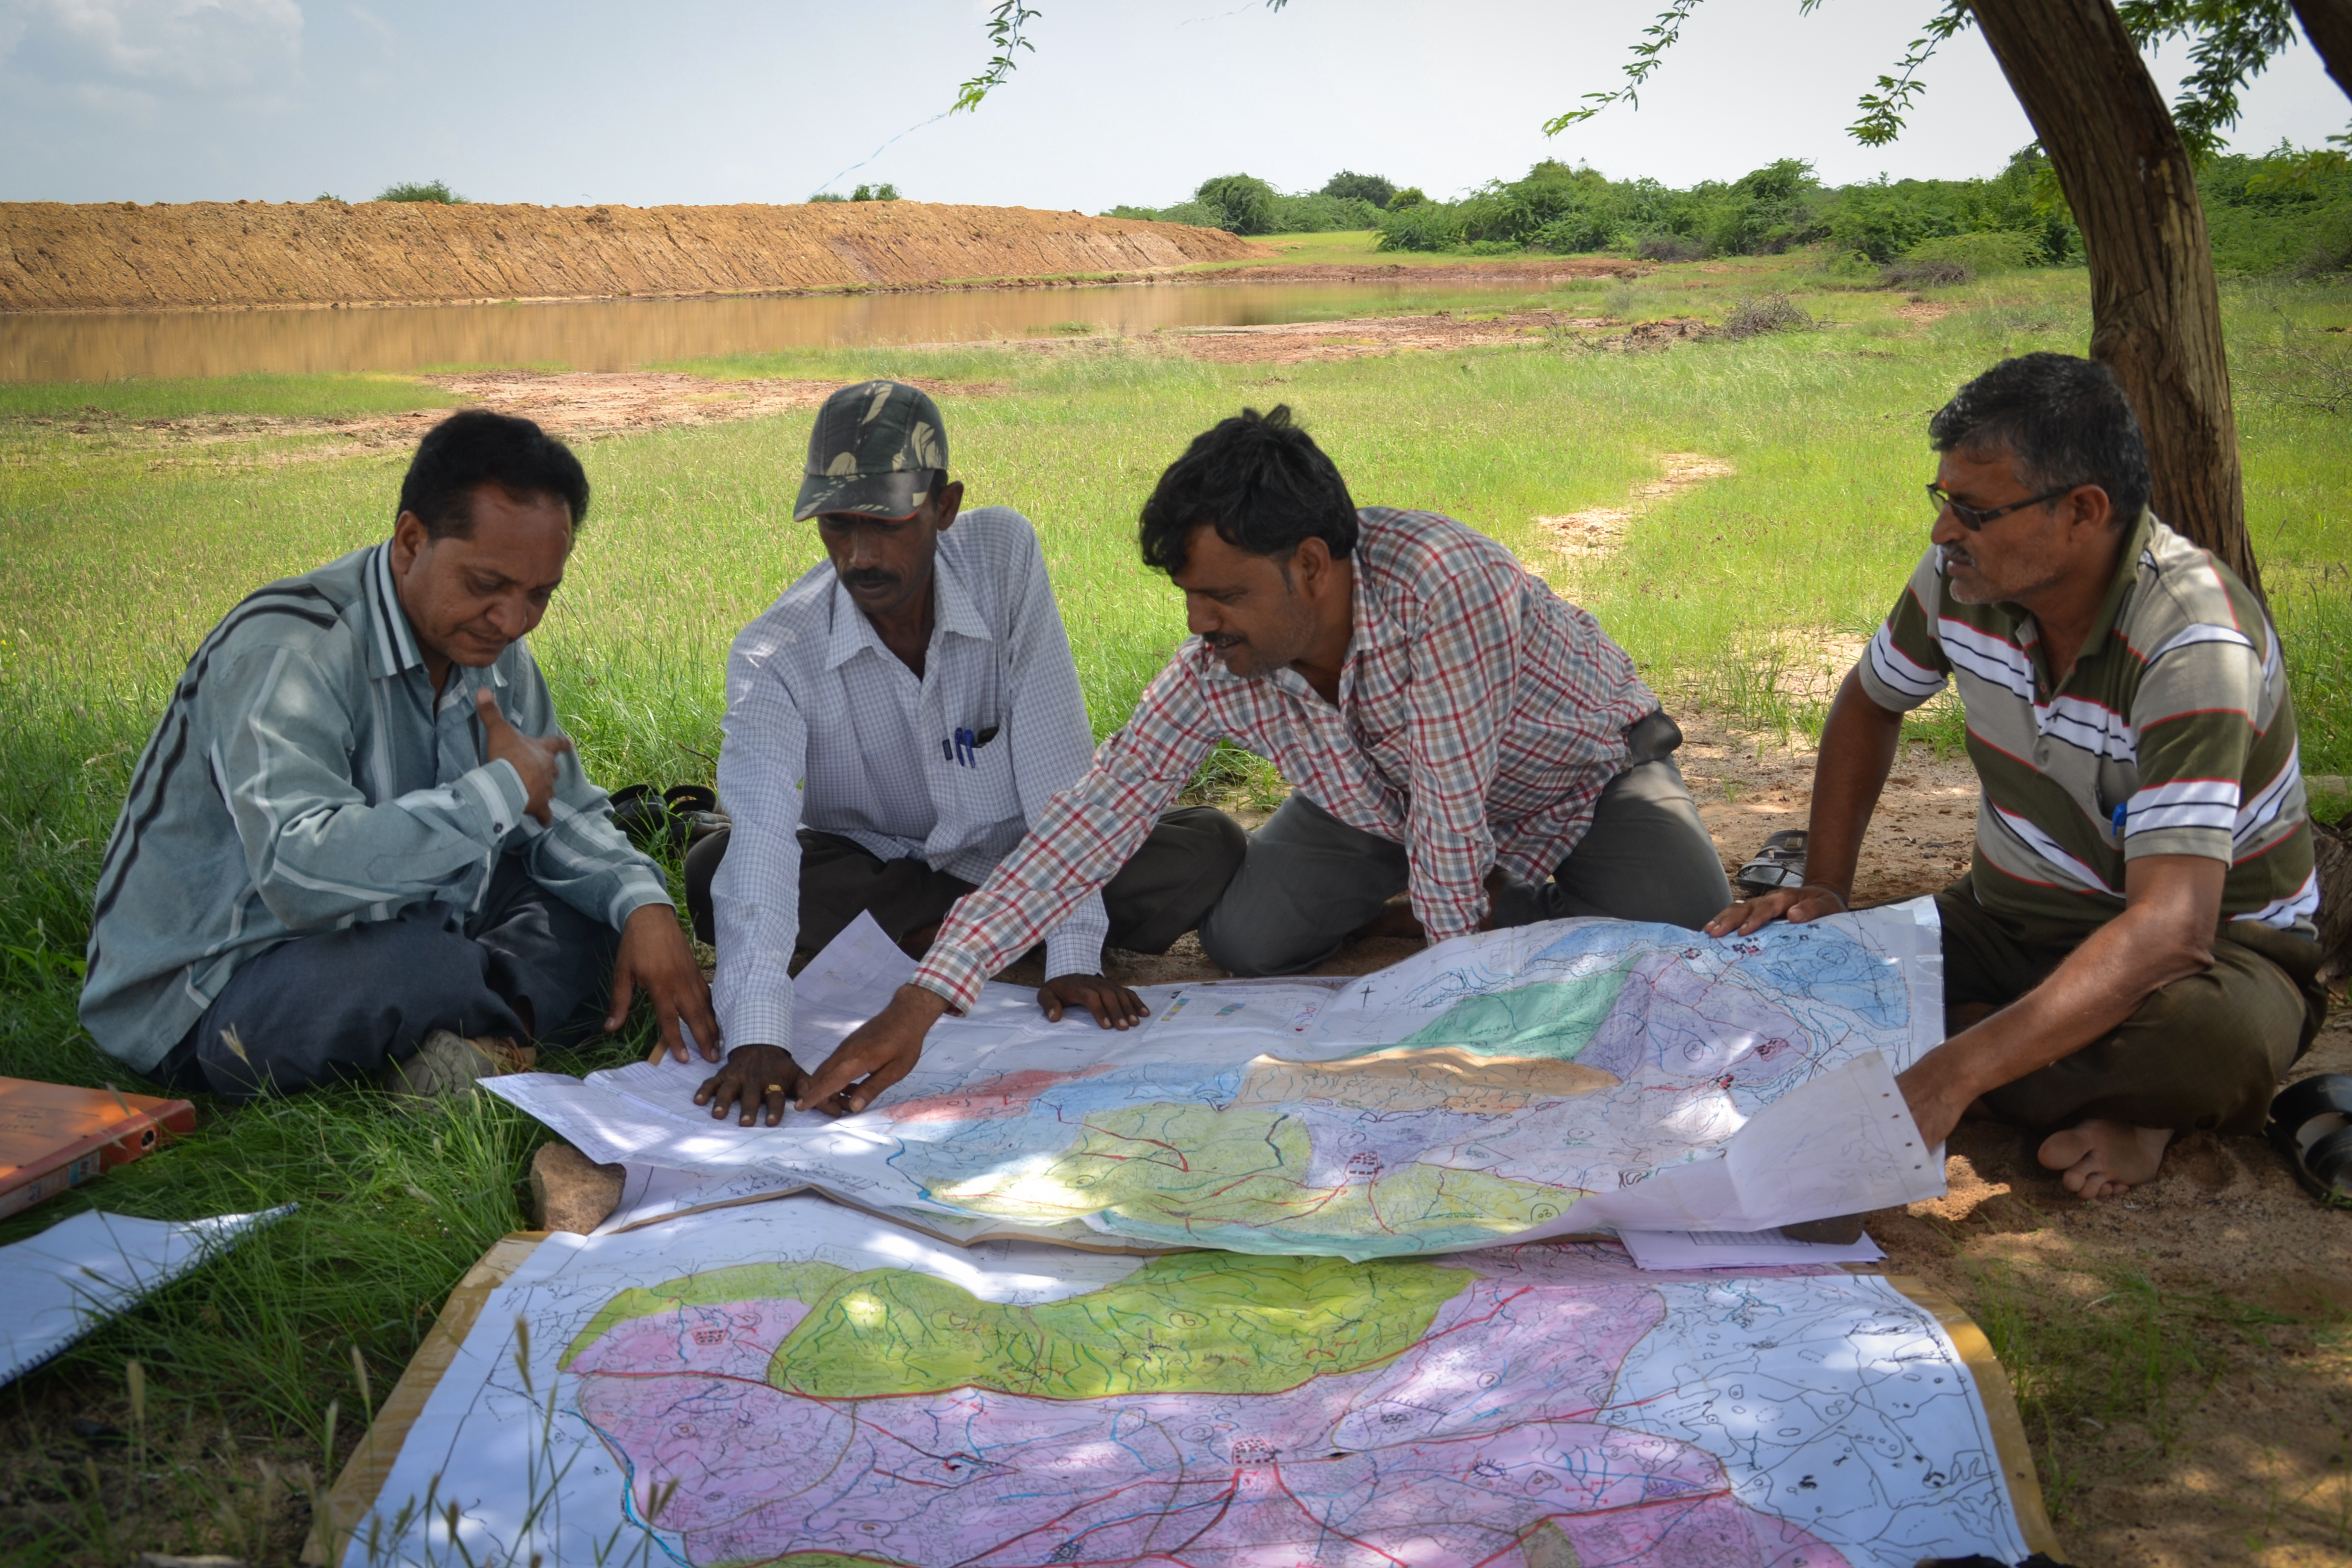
<point x="795" y="1382"/>
<point x="1475" y="1092"/>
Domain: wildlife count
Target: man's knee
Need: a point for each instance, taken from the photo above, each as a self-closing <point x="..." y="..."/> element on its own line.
<point x="1647" y="855"/>
<point x="1248" y="937"/>
<point x="1169" y="885"/>
<point x="2202" y="1054"/>
<point x="342" y="1005"/>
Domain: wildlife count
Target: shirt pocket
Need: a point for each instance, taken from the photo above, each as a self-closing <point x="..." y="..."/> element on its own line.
<point x="2118" y="782"/>
<point x="979" y="791"/>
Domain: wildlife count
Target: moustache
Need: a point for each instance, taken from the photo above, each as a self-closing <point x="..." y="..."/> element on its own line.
<point x="869" y="579"/>
<point x="1220" y="641"/>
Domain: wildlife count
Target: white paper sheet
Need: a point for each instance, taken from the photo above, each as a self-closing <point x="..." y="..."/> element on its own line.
<point x="1532" y="1082"/>
<point x="1684" y="1249"/>
<point x="58" y="1286"/>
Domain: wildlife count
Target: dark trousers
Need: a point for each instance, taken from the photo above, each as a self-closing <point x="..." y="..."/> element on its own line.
<point x="2201" y="1053"/>
<point x="344" y="1004"/>
<point x="1310" y="878"/>
<point x="1159" y="894"/>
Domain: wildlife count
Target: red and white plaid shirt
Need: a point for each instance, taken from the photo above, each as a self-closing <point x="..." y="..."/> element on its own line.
<point x="1479" y="718"/>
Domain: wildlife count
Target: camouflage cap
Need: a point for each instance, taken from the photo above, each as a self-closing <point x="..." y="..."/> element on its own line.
<point x="878" y="449"/>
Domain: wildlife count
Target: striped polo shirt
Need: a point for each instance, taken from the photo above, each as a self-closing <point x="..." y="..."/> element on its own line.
<point x="2173" y="734"/>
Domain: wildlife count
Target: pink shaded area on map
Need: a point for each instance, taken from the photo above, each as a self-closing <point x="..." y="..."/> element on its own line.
<point x="1680" y="1023"/>
<point x="1005" y="1095"/>
<point x="735" y="1339"/>
<point x="1452" y="1455"/>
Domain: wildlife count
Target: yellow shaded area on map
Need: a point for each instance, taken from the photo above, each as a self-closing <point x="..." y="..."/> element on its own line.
<point x="1187" y="1168"/>
<point x="1193" y="1322"/>
<point x="1446" y="1079"/>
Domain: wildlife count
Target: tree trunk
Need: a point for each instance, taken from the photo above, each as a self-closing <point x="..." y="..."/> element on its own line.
<point x="2155" y="311"/>
<point x="2328" y="25"/>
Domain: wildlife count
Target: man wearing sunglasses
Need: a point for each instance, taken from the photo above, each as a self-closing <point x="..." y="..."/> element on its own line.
<point x="2131" y="955"/>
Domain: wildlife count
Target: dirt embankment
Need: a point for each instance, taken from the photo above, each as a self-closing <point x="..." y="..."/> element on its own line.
<point x="117" y="255"/>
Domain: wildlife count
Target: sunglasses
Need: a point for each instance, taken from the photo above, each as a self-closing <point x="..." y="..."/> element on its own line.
<point x="1974" y="518"/>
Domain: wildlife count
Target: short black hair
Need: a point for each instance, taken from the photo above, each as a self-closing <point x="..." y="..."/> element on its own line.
<point x="475" y="447"/>
<point x="2064" y="420"/>
<point x="1261" y="481"/>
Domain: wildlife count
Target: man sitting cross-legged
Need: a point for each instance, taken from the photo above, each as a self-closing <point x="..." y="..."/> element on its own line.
<point x="357" y="846"/>
<point x="2131" y="955"/>
<point x="894" y="721"/>
<point x="1454" y="731"/>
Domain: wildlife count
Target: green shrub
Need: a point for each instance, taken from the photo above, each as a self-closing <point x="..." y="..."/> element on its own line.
<point x="1322" y="212"/>
<point x="409" y="191"/>
<point x="2284" y="211"/>
<point x="1245" y="203"/>
<point x="1422" y="225"/>
<point x="828" y="196"/>
<point x="885" y="192"/>
<point x="1983" y="251"/>
<point x="1410" y="196"/>
<point x="1350" y="186"/>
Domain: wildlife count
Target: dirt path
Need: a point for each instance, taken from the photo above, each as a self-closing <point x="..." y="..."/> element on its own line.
<point x="571" y="403"/>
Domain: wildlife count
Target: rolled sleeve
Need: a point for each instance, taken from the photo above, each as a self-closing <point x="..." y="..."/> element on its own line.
<point x="1465" y="669"/>
<point x="1904" y="665"/>
<point x="1079" y="841"/>
<point x="755" y="895"/>
<point x="2194" y="717"/>
<point x="1051" y="744"/>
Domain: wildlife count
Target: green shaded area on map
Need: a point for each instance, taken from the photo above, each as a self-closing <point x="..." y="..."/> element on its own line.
<point x="1184" y="1171"/>
<point x="745" y="1282"/>
<point x="1556" y="1019"/>
<point x="1204" y="1323"/>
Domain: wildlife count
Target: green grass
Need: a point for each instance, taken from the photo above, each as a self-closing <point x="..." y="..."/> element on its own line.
<point x="282" y="396"/>
<point x="121" y="564"/>
<point x="1352" y="247"/>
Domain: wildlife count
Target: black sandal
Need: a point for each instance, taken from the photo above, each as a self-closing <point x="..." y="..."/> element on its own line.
<point x="695" y="809"/>
<point x="1779" y="864"/>
<point x="639" y="813"/>
<point x="2311" y="1122"/>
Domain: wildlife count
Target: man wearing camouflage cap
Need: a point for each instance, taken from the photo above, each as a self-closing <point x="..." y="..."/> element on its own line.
<point x="894" y="721"/>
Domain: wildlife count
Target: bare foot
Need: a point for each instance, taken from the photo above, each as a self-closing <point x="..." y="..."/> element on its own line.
<point x="2106" y="1159"/>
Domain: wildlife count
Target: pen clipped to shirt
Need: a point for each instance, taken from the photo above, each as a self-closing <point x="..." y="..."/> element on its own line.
<point x="963" y="747"/>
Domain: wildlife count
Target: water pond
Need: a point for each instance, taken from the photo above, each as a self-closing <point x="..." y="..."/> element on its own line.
<point x="628" y="334"/>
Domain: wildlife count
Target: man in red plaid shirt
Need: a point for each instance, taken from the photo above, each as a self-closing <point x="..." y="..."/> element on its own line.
<point x="1453" y="732"/>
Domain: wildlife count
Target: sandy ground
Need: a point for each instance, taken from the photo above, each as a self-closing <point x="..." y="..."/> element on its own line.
<point x="211" y="255"/>
<point x="598" y="403"/>
<point x="572" y="403"/>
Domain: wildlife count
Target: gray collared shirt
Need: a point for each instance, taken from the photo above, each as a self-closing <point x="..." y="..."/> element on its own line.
<point x="304" y="778"/>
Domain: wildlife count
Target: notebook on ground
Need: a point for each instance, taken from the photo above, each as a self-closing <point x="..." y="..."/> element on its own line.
<point x="54" y="1136"/>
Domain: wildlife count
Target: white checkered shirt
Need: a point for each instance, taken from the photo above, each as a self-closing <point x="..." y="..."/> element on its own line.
<point x="827" y="730"/>
<point x="1479" y="719"/>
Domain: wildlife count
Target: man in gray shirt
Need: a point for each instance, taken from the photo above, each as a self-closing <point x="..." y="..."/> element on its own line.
<point x="357" y="846"/>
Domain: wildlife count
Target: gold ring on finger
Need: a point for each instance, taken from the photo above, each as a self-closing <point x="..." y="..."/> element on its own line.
<point x="775" y="1088"/>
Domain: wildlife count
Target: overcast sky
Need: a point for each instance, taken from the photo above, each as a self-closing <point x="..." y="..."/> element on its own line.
<point x="1124" y="100"/>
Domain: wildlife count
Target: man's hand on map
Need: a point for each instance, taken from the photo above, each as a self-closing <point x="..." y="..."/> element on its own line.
<point x="1796" y="905"/>
<point x="1113" y="1006"/>
<point x="878" y="1053"/>
<point x="754" y="1077"/>
<point x="1937" y="1092"/>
